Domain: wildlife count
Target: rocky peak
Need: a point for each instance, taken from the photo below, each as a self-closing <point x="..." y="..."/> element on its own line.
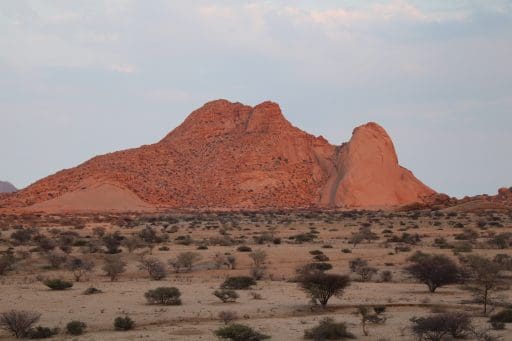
<point x="371" y="143"/>
<point x="223" y="117"/>
<point x="232" y="156"/>
<point x="266" y="116"/>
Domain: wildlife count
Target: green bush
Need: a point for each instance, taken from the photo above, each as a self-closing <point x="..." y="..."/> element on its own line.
<point x="42" y="332"/>
<point x="76" y="327"/>
<point x="238" y="283"/>
<point x="164" y="295"/>
<point x="124" y="323"/>
<point x="328" y="330"/>
<point x="239" y="332"/>
<point x="57" y="284"/>
<point x="504" y="316"/>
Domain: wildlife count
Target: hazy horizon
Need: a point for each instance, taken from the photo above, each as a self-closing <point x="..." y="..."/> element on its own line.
<point x="81" y="79"/>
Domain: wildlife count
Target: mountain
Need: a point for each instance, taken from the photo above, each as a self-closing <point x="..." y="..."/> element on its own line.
<point x="232" y="156"/>
<point x="7" y="187"/>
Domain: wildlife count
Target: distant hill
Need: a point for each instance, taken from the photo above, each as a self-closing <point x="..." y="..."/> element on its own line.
<point x="231" y="156"/>
<point x="7" y="187"/>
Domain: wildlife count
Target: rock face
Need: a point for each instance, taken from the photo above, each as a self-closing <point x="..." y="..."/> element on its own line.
<point x="232" y="156"/>
<point x="7" y="187"/>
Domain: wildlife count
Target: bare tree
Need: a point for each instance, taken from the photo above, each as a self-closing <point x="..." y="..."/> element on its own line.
<point x="220" y="260"/>
<point x="114" y="266"/>
<point x="80" y="267"/>
<point x="154" y="267"/>
<point x="484" y="278"/>
<point x="259" y="258"/>
<point x="18" y="322"/>
<point x="227" y="316"/>
<point x="132" y="243"/>
<point x="185" y="260"/>
<point x="361" y="267"/>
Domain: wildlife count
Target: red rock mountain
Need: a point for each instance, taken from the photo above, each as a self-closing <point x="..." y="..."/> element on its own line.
<point x="232" y="156"/>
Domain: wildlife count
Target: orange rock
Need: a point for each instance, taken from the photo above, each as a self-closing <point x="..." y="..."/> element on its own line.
<point x="232" y="156"/>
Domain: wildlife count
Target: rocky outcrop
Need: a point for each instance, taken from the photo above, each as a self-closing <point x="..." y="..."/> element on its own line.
<point x="232" y="156"/>
<point x="368" y="174"/>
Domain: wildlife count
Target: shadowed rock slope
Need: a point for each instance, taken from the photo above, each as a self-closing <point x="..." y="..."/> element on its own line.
<point x="7" y="187"/>
<point x="232" y="156"/>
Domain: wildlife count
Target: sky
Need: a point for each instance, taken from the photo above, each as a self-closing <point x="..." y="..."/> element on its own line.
<point x="87" y="77"/>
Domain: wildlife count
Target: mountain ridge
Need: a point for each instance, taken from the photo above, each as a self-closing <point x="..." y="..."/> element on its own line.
<point x="228" y="155"/>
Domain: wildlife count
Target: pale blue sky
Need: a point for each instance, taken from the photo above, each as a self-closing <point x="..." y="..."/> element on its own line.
<point x="81" y="78"/>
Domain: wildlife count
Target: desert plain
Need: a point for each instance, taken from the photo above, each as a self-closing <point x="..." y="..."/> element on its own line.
<point x="222" y="245"/>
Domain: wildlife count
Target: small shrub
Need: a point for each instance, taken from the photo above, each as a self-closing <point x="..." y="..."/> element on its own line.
<point x="55" y="259"/>
<point x="18" y="322"/>
<point x="328" y="330"/>
<point x="164" y="296"/>
<point x="320" y="266"/>
<point x="346" y="250"/>
<point x="155" y="268"/>
<point x="58" y="284"/>
<point x="226" y="295"/>
<point x="80" y="267"/>
<point x="123" y="323"/>
<point x="379" y="309"/>
<point x="321" y="258"/>
<point x="386" y="276"/>
<point x="504" y="316"/>
<point x="76" y="327"/>
<point x="256" y="296"/>
<point x="185" y="260"/>
<point x="258" y="272"/>
<point x="239" y="332"/>
<point x="498" y="325"/>
<point x="462" y="247"/>
<point x="435" y="327"/>
<point x="244" y="248"/>
<point x="92" y="291"/>
<point x="114" y="266"/>
<point x="42" y="332"/>
<point x="316" y="252"/>
<point x="228" y="316"/>
<point x="238" y="283"/>
<point x="7" y="262"/>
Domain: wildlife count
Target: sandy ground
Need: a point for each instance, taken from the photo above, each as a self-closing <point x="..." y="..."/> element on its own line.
<point x="283" y="312"/>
